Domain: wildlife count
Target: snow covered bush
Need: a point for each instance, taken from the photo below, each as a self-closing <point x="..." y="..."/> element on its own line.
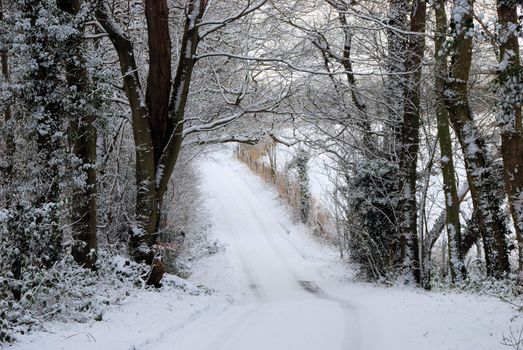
<point x="370" y="197"/>
<point x="300" y="165"/>
<point x="66" y="292"/>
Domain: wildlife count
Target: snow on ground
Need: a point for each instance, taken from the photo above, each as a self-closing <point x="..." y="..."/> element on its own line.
<point x="276" y="287"/>
<point x="143" y="318"/>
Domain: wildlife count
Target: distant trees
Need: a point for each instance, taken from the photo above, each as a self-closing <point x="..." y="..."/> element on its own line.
<point x="300" y="164"/>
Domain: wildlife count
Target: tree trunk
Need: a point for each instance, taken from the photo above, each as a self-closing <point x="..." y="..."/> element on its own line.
<point x="471" y="234"/>
<point x="509" y="115"/>
<point x="180" y="93"/>
<point x="396" y="82"/>
<point x="6" y="169"/>
<point x="480" y="172"/>
<point x="159" y="76"/>
<point x="409" y="141"/>
<point x="84" y="201"/>
<point x="142" y="234"/>
<point x="395" y="89"/>
<point x="157" y="123"/>
<point x="83" y="133"/>
<point x="47" y="115"/>
<point x="452" y="223"/>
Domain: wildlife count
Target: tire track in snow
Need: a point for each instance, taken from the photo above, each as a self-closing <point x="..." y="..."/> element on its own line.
<point x="352" y="340"/>
<point x="220" y="340"/>
<point x="254" y="287"/>
<point x="245" y="207"/>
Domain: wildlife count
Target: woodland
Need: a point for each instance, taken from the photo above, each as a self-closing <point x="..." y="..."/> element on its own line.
<point x="415" y="107"/>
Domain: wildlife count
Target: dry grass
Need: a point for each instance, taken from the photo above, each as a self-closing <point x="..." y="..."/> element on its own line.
<point x="320" y="220"/>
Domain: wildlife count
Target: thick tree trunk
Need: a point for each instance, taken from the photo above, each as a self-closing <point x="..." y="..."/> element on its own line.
<point x="84" y="210"/>
<point x="509" y="115"/>
<point x="395" y="89"/>
<point x="452" y="223"/>
<point x="480" y="172"/>
<point x="159" y="77"/>
<point x="396" y="81"/>
<point x="142" y="235"/>
<point x="83" y="134"/>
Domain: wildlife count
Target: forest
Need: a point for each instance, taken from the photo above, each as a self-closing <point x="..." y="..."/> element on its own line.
<point x="411" y="110"/>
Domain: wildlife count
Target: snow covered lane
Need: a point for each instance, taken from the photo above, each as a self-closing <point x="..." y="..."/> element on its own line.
<point x="290" y="292"/>
<point x="279" y="303"/>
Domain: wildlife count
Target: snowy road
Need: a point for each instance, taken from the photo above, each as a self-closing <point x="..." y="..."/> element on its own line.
<point x="282" y="303"/>
<point x="291" y="293"/>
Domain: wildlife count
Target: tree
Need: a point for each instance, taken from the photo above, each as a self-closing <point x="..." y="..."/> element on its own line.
<point x="156" y="114"/>
<point x="409" y="138"/>
<point x="35" y="207"/>
<point x="300" y="164"/>
<point x="158" y="110"/>
<point x="83" y="133"/>
<point x="481" y="174"/>
<point x="6" y="165"/>
<point x="509" y="87"/>
<point x="452" y="220"/>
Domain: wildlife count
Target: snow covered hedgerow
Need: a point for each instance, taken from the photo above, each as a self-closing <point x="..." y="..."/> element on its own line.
<point x="65" y="292"/>
<point x="300" y="164"/>
<point x="507" y="289"/>
<point x="371" y="200"/>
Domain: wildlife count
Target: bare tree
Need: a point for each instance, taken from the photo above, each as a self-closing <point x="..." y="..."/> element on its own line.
<point x="481" y="175"/>
<point x="158" y="110"/>
<point x="452" y="204"/>
<point x="509" y="80"/>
